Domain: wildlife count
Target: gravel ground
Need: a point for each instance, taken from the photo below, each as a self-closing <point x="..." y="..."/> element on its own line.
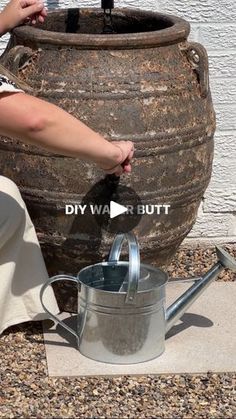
<point x="194" y="262"/>
<point x="27" y="392"/>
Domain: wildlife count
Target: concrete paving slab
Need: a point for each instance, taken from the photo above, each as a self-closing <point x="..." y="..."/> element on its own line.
<point x="203" y="340"/>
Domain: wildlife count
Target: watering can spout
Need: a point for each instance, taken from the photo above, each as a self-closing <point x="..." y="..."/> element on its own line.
<point x="179" y="307"/>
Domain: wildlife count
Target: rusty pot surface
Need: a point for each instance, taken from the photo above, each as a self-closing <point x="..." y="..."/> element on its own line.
<point x="146" y="83"/>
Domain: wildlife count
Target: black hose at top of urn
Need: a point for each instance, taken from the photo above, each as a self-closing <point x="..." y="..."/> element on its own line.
<point x="107" y="4"/>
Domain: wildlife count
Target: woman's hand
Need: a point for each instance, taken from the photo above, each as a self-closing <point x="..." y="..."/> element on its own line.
<point x="17" y="12"/>
<point x="127" y="152"/>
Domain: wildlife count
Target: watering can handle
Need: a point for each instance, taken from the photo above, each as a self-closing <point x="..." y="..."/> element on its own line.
<point x="53" y="279"/>
<point x="134" y="262"/>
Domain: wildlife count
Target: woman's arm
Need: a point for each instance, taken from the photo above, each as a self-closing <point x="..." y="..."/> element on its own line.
<point x="38" y="122"/>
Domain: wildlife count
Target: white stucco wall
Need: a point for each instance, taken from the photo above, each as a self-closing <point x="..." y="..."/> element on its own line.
<point x="213" y="25"/>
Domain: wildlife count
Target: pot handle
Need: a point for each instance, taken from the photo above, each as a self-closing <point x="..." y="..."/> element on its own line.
<point x="53" y="279"/>
<point x="198" y="58"/>
<point x="12" y="60"/>
<point x="134" y="262"/>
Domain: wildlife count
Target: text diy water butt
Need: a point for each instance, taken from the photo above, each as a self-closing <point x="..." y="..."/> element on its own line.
<point x="140" y="209"/>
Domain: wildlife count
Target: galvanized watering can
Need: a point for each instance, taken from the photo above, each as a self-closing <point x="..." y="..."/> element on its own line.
<point x="122" y="317"/>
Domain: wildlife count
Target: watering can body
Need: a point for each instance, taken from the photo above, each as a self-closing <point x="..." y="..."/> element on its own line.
<point x="109" y="329"/>
<point x="122" y="318"/>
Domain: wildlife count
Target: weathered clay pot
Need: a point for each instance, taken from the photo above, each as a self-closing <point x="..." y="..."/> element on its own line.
<point x="145" y="83"/>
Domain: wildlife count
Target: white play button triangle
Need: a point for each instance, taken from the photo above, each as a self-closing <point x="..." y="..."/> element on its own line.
<point x="116" y="209"/>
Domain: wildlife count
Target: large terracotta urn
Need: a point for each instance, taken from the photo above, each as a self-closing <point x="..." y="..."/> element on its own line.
<point x="146" y="83"/>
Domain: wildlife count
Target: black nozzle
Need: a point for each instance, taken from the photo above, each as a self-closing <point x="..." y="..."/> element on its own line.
<point x="107" y="4"/>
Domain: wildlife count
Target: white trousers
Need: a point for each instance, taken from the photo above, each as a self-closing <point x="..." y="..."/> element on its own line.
<point x="22" y="268"/>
